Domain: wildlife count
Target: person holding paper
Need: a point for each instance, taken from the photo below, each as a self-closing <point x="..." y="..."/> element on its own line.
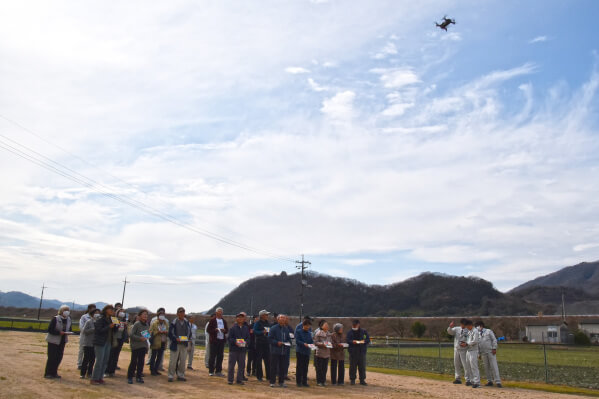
<point x="139" y="347"/>
<point x="358" y="340"/>
<point x="159" y="312"/>
<point x="338" y="355"/>
<point x="104" y="328"/>
<point x="119" y="337"/>
<point x="57" y="337"/>
<point x="158" y="330"/>
<point x="288" y="348"/>
<point x="179" y="332"/>
<point x="261" y="328"/>
<point x="239" y="337"/>
<point x="322" y="340"/>
<point x="303" y="341"/>
<point x="278" y="338"/>
<point x="86" y="337"/>
<point x="217" y="329"/>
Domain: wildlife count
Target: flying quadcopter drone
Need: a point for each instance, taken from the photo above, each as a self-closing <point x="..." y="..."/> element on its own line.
<point x="446" y="22"/>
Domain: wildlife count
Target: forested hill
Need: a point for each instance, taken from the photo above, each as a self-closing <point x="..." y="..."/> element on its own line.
<point x="425" y="295"/>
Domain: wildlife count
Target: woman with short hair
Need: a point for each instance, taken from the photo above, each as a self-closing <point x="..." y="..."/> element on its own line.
<point x="86" y="339"/>
<point x="339" y="344"/>
<point x="322" y="340"/>
<point x="139" y="347"/>
<point x="159" y="331"/>
<point x="104" y="328"/>
<point x="57" y="337"/>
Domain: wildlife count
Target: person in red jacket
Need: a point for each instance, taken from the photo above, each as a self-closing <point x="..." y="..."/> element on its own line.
<point x="217" y="330"/>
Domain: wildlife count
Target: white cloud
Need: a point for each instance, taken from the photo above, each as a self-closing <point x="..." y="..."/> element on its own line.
<point x="387" y="50"/>
<point x="585" y="247"/>
<point x="452" y="36"/>
<point x="397" y="109"/>
<point x="315" y="86"/>
<point x="358" y="262"/>
<point x="340" y="106"/>
<point x="296" y="70"/>
<point x="538" y="39"/>
<point x="397" y="78"/>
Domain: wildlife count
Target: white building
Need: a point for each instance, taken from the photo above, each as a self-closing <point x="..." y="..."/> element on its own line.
<point x="551" y="332"/>
<point x="591" y="329"/>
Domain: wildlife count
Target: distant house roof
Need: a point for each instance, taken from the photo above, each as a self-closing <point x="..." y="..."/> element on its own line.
<point x="541" y="323"/>
<point x="589" y="321"/>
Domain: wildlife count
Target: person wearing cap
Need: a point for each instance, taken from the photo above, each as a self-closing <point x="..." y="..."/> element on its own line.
<point x="261" y="328"/>
<point x="460" y="334"/>
<point x="159" y="330"/>
<point x="217" y="329"/>
<point x="85" y="317"/>
<point x="303" y="340"/>
<point x="278" y="337"/>
<point x="239" y="337"/>
<point x="179" y="332"/>
<point x="192" y="342"/>
<point x="338" y="342"/>
<point x="488" y="353"/>
<point x="251" y="350"/>
<point x="57" y="337"/>
<point x="358" y="340"/>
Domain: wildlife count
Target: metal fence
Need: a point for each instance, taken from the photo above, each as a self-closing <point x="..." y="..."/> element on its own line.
<point x="550" y="363"/>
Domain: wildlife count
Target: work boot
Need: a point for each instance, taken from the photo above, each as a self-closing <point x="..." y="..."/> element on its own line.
<point x="489" y="384"/>
<point x="457" y="381"/>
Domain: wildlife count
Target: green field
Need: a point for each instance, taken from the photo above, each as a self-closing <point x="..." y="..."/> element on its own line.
<point x="29" y="325"/>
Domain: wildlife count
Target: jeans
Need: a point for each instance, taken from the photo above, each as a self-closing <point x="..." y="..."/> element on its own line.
<point x="87" y="363"/>
<point x="137" y="362"/>
<point x="55" y="353"/>
<point x="337" y="371"/>
<point x="277" y="368"/>
<point x="217" y="350"/>
<point x="156" y="358"/>
<point x="236" y="358"/>
<point x="357" y="362"/>
<point x="301" y="371"/>
<point x="251" y="362"/>
<point x="322" y="364"/>
<point x="262" y="354"/>
<point x="102" y="355"/>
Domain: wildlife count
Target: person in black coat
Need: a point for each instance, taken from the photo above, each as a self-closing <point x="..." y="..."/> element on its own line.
<point x="358" y="340"/>
<point x="104" y="328"/>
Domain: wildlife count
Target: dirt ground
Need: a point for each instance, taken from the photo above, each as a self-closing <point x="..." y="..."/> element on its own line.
<point x="23" y="360"/>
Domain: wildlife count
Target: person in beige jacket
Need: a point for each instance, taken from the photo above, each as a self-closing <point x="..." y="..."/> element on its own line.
<point x="339" y="344"/>
<point x="322" y="340"/>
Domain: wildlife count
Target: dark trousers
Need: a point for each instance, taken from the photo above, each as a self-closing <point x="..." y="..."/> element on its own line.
<point x="236" y="358"/>
<point x="156" y="357"/>
<point x="137" y="362"/>
<point x="287" y="361"/>
<point x="262" y="354"/>
<point x="113" y="360"/>
<point x="251" y="362"/>
<point x="55" y="353"/>
<point x="359" y="362"/>
<point x="337" y="371"/>
<point x="89" y="358"/>
<point x="301" y="368"/>
<point x="217" y="350"/>
<point x="322" y="364"/>
<point x="277" y="368"/>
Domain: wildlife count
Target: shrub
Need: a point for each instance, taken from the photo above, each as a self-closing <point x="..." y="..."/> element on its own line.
<point x="418" y="329"/>
<point x="580" y="338"/>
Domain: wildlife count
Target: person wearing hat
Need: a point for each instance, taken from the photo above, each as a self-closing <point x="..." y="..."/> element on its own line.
<point x="338" y="342"/>
<point x="261" y="328"/>
<point x="57" y="337"/>
<point x="278" y="337"/>
<point x="179" y="332"/>
<point x="358" y="340"/>
<point x="217" y="330"/>
<point x="303" y="340"/>
<point x="239" y="337"/>
<point x="251" y="349"/>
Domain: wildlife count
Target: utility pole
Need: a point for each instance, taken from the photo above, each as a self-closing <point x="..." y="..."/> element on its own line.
<point x="563" y="307"/>
<point x="302" y="266"/>
<point x="124" y="288"/>
<point x="251" y="306"/>
<point x="41" y="299"/>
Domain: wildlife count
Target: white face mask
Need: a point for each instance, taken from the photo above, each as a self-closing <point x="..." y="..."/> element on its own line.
<point x="97" y="316"/>
<point x="66" y="313"/>
<point x="480" y="328"/>
<point x="122" y="314"/>
<point x="161" y="317"/>
<point x="355" y="328"/>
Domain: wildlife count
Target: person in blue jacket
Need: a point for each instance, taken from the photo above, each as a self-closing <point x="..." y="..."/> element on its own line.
<point x="239" y="338"/>
<point x="278" y="338"/>
<point x="358" y="340"/>
<point x="261" y="328"/>
<point x="303" y="338"/>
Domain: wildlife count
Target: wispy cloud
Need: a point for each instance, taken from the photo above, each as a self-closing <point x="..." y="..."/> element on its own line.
<point x="538" y="39"/>
<point x="296" y="70"/>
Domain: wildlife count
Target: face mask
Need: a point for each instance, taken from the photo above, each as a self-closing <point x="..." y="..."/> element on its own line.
<point x="122" y="314"/>
<point x="66" y="313"/>
<point x="479" y="328"/>
<point x="355" y="328"/>
<point x="97" y="316"/>
<point x="162" y="318"/>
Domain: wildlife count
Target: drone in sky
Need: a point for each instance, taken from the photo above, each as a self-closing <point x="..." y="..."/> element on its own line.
<point x="446" y="22"/>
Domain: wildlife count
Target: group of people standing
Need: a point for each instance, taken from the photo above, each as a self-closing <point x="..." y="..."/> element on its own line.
<point x="472" y="341"/>
<point x="103" y="333"/>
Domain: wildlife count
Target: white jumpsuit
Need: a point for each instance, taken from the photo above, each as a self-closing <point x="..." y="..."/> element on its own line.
<point x="472" y="355"/>
<point x="488" y="342"/>
<point x="459" y="354"/>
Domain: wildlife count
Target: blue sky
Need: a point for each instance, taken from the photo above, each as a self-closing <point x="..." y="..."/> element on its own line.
<point x="358" y="134"/>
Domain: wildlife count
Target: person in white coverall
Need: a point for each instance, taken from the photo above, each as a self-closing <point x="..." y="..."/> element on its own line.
<point x="460" y="334"/>
<point x="488" y="350"/>
<point x="471" y="346"/>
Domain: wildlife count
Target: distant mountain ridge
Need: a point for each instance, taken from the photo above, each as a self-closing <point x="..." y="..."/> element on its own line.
<point x="19" y="299"/>
<point x="583" y="276"/>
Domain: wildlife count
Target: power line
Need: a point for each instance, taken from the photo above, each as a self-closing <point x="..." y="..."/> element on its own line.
<point x="72" y="175"/>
